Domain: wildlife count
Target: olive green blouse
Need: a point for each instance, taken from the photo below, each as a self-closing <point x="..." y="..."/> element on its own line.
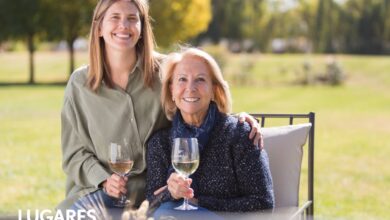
<point x="91" y="121"/>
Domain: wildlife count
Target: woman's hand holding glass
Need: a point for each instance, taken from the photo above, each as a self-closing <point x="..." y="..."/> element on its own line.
<point x="120" y="163"/>
<point x="185" y="161"/>
<point x="115" y="186"/>
<point x="180" y="187"/>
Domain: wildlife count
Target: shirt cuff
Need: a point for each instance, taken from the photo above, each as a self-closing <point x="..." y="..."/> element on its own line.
<point x="98" y="175"/>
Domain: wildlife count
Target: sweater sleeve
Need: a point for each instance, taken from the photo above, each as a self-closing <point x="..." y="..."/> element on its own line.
<point x="253" y="176"/>
<point x="158" y="163"/>
<point x="79" y="161"/>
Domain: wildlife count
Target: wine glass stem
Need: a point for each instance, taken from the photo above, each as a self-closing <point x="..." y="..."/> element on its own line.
<point x="185" y="199"/>
<point x="123" y="196"/>
<point x="185" y="203"/>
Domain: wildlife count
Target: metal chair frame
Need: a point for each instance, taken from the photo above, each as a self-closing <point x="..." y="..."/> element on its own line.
<point x="307" y="209"/>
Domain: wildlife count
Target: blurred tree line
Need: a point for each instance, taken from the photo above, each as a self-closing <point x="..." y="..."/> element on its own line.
<point x="321" y="26"/>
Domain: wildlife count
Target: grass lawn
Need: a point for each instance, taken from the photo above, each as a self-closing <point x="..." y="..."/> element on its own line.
<point x="352" y="169"/>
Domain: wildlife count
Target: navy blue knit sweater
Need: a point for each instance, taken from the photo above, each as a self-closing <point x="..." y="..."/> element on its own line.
<point x="233" y="174"/>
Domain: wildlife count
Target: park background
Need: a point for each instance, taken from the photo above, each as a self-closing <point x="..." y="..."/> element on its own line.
<point x="279" y="56"/>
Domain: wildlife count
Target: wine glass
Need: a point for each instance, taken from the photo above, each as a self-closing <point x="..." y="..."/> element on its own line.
<point x="185" y="161"/>
<point x="120" y="163"/>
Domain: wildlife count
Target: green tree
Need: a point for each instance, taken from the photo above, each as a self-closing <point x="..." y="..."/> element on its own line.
<point x="368" y="26"/>
<point x="75" y="19"/>
<point x="22" y="19"/>
<point x="351" y="13"/>
<point x="268" y="26"/>
<point x="3" y="33"/>
<point x="385" y="14"/>
<point x="252" y="26"/>
<point x="326" y="25"/>
<point x="214" y="30"/>
<point x="284" y="23"/>
<point x="235" y="20"/>
<point x="179" y="20"/>
<point x="306" y="11"/>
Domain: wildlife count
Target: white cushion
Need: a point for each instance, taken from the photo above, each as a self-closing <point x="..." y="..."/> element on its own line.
<point x="284" y="146"/>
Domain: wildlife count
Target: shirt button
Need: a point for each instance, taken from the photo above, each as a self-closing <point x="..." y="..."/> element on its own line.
<point x="131" y="119"/>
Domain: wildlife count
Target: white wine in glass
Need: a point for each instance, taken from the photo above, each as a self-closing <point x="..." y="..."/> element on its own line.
<point x="120" y="163"/>
<point x="121" y="168"/>
<point x="185" y="161"/>
<point x="186" y="168"/>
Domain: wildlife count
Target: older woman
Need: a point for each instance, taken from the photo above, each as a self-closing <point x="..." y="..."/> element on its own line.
<point x="232" y="175"/>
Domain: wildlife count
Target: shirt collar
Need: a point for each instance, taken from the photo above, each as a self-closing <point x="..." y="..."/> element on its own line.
<point x="138" y="64"/>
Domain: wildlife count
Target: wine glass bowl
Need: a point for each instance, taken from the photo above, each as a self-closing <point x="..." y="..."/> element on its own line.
<point x="120" y="163"/>
<point x="185" y="161"/>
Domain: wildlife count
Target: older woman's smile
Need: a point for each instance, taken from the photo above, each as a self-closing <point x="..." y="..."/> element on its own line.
<point x="191" y="99"/>
<point x="192" y="89"/>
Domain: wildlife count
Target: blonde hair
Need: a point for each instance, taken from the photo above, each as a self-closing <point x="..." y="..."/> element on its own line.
<point x="221" y="90"/>
<point x="98" y="70"/>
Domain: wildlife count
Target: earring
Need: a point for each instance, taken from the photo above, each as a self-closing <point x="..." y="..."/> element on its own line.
<point x="173" y="99"/>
